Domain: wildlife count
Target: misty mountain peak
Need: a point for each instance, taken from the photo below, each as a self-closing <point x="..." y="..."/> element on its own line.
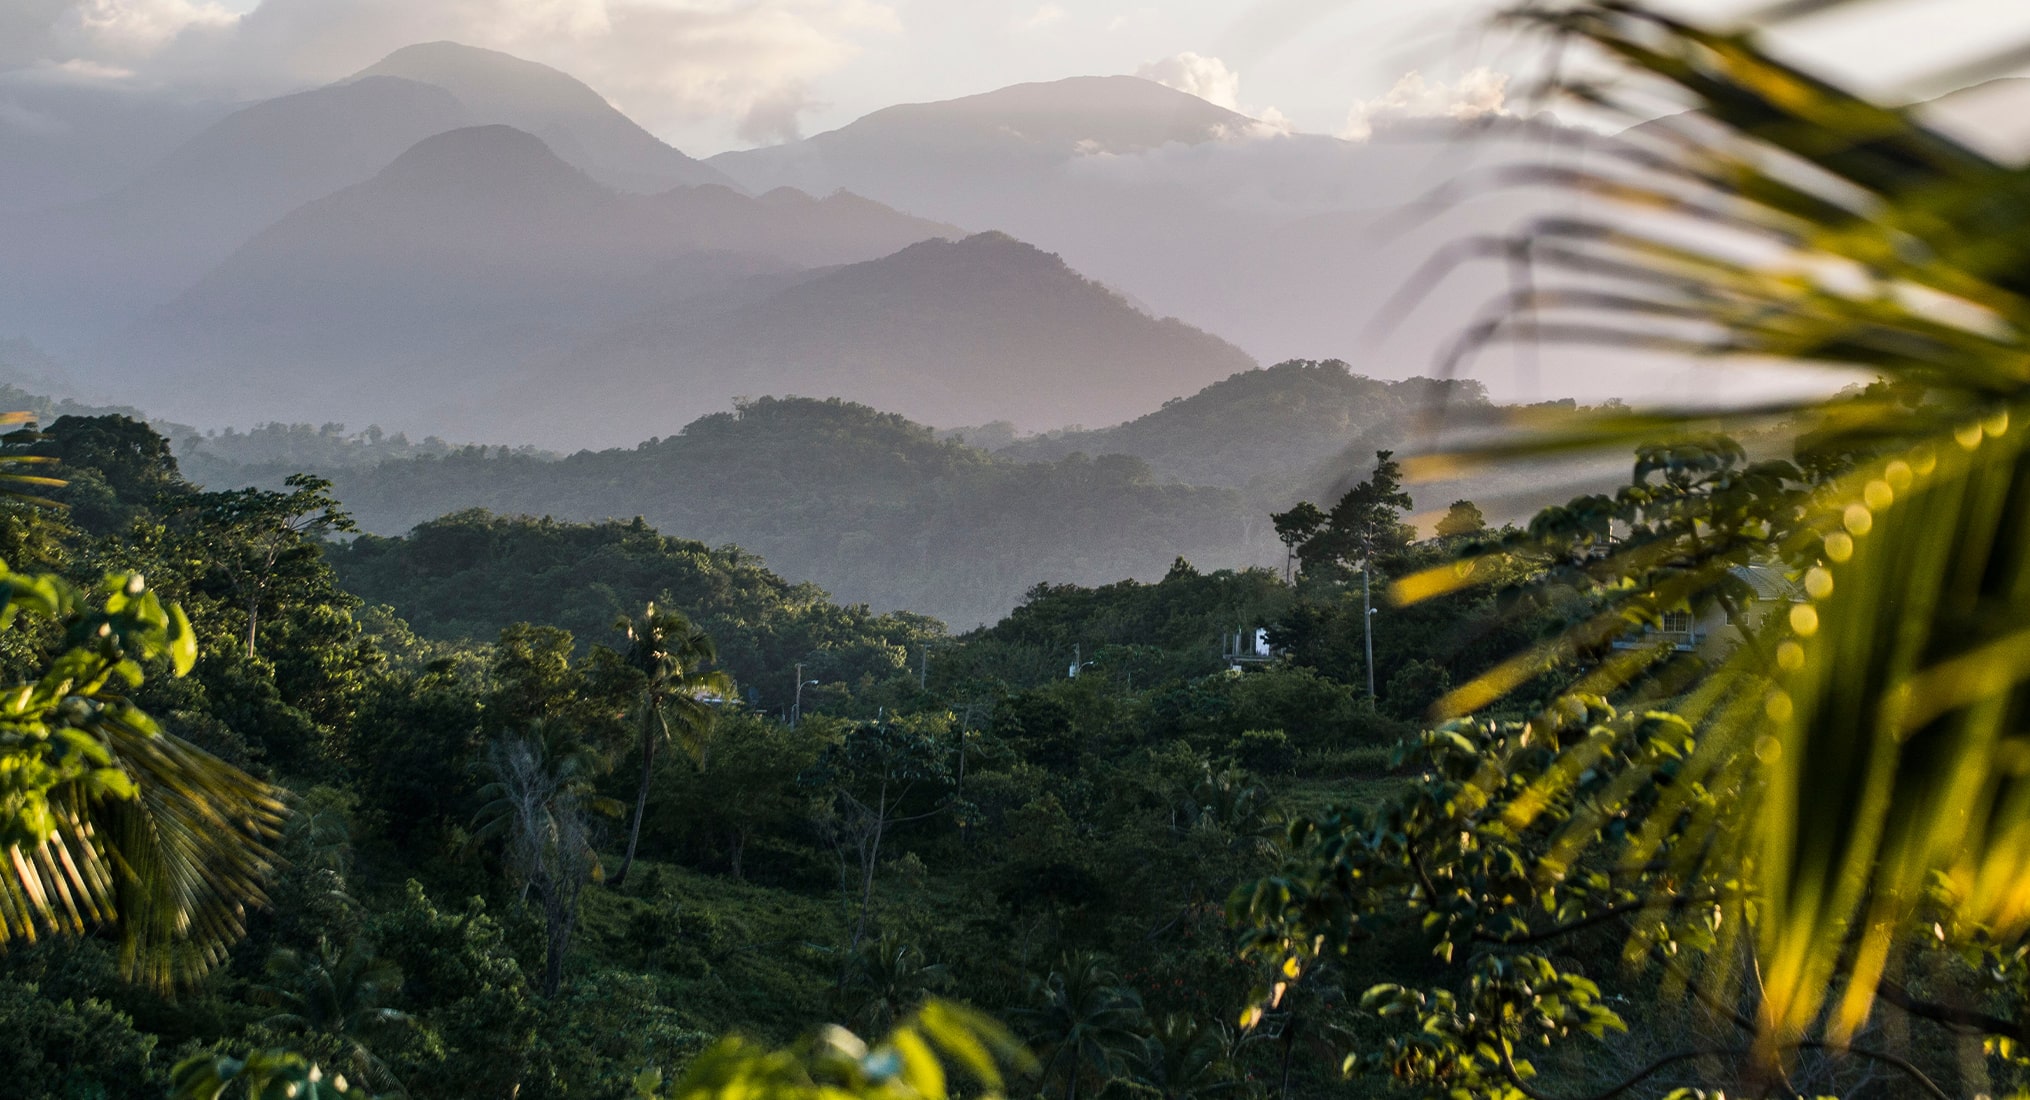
<point x="481" y="76"/>
<point x="994" y="142"/>
<point x="484" y="160"/>
<point x="1115" y="114"/>
<point x="577" y="123"/>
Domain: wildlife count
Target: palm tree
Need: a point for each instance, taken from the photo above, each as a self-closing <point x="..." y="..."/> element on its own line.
<point x="1186" y="1058"/>
<point x="1084" y="1021"/>
<point x="887" y="978"/>
<point x="337" y="995"/>
<point x="677" y="695"/>
<point x="1877" y="726"/>
<point x="109" y="820"/>
<point x="539" y="805"/>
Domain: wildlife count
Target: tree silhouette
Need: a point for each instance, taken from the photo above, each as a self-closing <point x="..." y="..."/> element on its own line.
<point x="678" y="692"/>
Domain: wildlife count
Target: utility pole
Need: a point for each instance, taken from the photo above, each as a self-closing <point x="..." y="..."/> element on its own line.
<point x="923" y="669"/>
<point x="1367" y="629"/>
<point x="1366" y="605"/>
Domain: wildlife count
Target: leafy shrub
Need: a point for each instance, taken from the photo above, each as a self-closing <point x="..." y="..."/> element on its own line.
<point x="1266" y="751"/>
<point x="75" y="1050"/>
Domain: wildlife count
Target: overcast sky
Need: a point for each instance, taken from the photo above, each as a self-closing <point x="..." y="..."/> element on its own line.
<point x="715" y="74"/>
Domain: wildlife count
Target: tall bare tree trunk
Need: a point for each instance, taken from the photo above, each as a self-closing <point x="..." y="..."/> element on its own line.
<point x="634" y="831"/>
<point x="253" y="620"/>
<point x="648" y="760"/>
<point x="560" y="915"/>
<point x="871" y="857"/>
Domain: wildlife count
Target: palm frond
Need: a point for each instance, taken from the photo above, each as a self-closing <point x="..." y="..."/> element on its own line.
<point x="1874" y="736"/>
<point x="104" y="817"/>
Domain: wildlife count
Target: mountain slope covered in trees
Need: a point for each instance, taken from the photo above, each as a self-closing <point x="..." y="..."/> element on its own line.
<point x="1277" y="423"/>
<point x="869" y="505"/>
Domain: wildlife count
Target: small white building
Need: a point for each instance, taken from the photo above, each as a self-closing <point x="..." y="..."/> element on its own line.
<point x="1687" y="633"/>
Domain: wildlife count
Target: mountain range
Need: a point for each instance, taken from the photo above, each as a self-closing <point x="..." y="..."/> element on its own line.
<point x="1288" y="245"/>
<point x="82" y="266"/>
<point x="457" y="241"/>
<point x="454" y="240"/>
<point x="474" y="250"/>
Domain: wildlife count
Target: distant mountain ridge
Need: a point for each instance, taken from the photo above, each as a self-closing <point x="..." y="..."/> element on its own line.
<point x="941" y="332"/>
<point x="93" y="266"/>
<point x="96" y="264"/>
<point x="1276" y="423"/>
<point x="475" y="249"/>
<point x="1279" y="242"/>
<point x="1021" y="125"/>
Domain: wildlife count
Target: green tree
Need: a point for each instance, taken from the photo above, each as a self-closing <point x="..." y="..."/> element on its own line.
<point x="1462" y="520"/>
<point x="117" y="468"/>
<point x="467" y="995"/>
<point x="877" y="776"/>
<point x="1187" y="1058"/>
<point x="262" y="542"/>
<point x="752" y="789"/>
<point x="888" y="978"/>
<point x="679" y="691"/>
<point x="1366" y="524"/>
<point x="73" y="1048"/>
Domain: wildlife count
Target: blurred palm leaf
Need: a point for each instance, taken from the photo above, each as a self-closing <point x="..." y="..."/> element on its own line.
<point x="105" y="819"/>
<point x="16" y="481"/>
<point x="1877" y="730"/>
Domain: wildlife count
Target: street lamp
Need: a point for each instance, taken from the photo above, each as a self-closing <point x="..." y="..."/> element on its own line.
<point x="1077" y="651"/>
<point x="796" y="710"/>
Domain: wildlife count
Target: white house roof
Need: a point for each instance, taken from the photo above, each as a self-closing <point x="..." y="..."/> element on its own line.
<point x="1769" y="582"/>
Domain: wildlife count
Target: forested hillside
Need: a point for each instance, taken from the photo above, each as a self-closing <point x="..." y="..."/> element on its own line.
<point x="868" y="505"/>
<point x="1268" y="426"/>
<point x="881" y="510"/>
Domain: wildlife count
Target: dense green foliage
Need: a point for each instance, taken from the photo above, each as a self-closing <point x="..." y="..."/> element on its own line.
<point x="465" y="745"/>
<point x="1043" y="816"/>
<point x="473" y="574"/>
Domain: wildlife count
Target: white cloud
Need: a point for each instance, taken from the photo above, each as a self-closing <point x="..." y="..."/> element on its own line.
<point x="1211" y="80"/>
<point x="1044" y="16"/>
<point x="665" y="62"/>
<point x="778" y="117"/>
<point x="136" y="28"/>
<point x="1477" y="94"/>
<point x="1208" y="78"/>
